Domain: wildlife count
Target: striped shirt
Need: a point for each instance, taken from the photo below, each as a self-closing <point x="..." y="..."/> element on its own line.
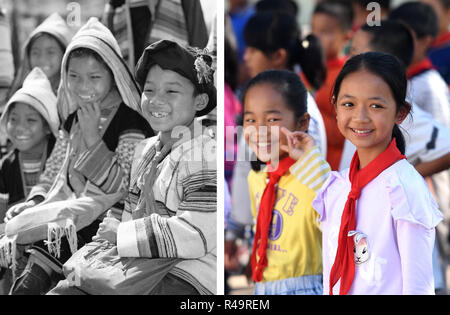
<point x="183" y="225"/>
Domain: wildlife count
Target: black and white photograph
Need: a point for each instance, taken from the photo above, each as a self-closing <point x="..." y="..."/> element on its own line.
<point x="108" y="180"/>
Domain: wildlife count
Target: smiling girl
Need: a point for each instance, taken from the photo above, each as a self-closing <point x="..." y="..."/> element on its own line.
<point x="31" y="122"/>
<point x="381" y="196"/>
<point x="286" y="257"/>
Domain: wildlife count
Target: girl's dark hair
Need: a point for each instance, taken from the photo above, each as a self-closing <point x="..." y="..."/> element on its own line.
<point x="288" y="84"/>
<point x="392" y="37"/>
<point x="446" y="4"/>
<point x="270" y="31"/>
<point x="341" y="10"/>
<point x="421" y="17"/>
<point x="388" y="68"/>
<point x="288" y="6"/>
<point x="231" y="65"/>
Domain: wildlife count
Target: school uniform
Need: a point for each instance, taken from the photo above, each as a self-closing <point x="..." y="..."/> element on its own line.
<point x="428" y="90"/>
<point x="398" y="215"/>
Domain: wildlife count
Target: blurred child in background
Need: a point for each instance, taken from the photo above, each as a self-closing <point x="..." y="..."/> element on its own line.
<point x="332" y="22"/>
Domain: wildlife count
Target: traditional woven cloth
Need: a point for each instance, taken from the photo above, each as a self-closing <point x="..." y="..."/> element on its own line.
<point x="169" y="23"/>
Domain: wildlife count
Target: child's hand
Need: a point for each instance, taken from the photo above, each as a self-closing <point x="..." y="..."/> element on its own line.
<point x="107" y="230"/>
<point x="18" y="209"/>
<point x="298" y="143"/>
<point x="89" y="119"/>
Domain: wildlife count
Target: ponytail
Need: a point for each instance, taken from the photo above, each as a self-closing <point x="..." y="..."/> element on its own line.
<point x="311" y="59"/>
<point x="269" y="31"/>
<point x="399" y="139"/>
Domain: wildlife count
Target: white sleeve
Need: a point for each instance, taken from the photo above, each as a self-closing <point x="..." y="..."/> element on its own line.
<point x="415" y="244"/>
<point x="426" y="139"/>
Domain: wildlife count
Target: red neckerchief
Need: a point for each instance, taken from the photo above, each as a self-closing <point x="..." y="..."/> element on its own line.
<point x="441" y="40"/>
<point x="265" y="217"/>
<point x="344" y="266"/>
<point x="418" y="68"/>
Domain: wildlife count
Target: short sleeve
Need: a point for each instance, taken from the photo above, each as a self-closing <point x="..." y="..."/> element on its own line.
<point x="319" y="202"/>
<point x="412" y="201"/>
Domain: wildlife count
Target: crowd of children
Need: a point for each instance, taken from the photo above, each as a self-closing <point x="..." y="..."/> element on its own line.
<point x="104" y="158"/>
<point x="351" y="214"/>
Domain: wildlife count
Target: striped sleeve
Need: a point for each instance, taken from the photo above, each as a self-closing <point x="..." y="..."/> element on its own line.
<point x="109" y="170"/>
<point x="53" y="165"/>
<point x="4" y="197"/>
<point x="311" y="169"/>
<point x="189" y="234"/>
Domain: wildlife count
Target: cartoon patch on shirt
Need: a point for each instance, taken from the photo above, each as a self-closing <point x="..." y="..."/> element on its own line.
<point x="360" y="247"/>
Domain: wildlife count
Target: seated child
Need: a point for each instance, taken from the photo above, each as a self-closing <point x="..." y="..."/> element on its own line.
<point x="44" y="48"/>
<point x="170" y="210"/>
<point x="99" y="103"/>
<point x="31" y="122"/>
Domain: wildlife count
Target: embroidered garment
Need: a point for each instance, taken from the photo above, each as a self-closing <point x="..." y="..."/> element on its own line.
<point x="182" y="222"/>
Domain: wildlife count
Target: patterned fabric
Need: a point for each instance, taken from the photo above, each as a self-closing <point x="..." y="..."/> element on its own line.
<point x="108" y="163"/>
<point x="169" y="23"/>
<point x="134" y="34"/>
<point x="12" y="188"/>
<point x="182" y="223"/>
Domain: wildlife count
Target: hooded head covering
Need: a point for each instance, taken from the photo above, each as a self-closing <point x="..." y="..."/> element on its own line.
<point x="36" y="92"/>
<point x="55" y="26"/>
<point x="97" y="37"/>
<point x="192" y="63"/>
